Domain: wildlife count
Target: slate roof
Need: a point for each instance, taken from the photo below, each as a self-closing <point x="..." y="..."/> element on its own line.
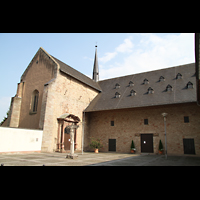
<point x="77" y="75"/>
<point x="149" y="92"/>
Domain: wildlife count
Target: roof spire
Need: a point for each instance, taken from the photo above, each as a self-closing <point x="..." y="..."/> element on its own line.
<point x="96" y="67"/>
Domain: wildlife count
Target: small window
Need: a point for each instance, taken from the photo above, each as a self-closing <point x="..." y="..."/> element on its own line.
<point x="132" y="93"/>
<point x="131" y="84"/>
<point x="150" y="90"/>
<point x="117" y="95"/>
<point x="145" y="82"/>
<point x="169" y="88"/>
<point x="146" y="122"/>
<point x="179" y="76"/>
<point x="112" y="123"/>
<point x="186" y="119"/>
<point x="34" y="101"/>
<point x="189" y="85"/>
<point x="161" y="79"/>
<point x="117" y="86"/>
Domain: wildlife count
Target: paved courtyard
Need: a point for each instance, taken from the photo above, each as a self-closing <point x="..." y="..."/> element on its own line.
<point x="92" y="159"/>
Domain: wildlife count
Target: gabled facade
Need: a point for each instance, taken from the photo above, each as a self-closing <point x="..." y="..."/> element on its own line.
<point x="48" y="89"/>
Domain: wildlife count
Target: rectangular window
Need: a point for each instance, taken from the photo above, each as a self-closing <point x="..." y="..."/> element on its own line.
<point x="112" y="123"/>
<point x="186" y="119"/>
<point x="146" y="122"/>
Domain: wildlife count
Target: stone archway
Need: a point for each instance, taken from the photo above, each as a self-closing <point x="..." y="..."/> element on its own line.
<point x="69" y="121"/>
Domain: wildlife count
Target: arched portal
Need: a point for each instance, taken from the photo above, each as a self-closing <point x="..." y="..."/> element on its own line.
<point x="64" y="122"/>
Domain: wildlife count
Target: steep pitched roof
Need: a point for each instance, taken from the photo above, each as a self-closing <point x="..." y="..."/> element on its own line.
<point x="77" y="75"/>
<point x="143" y="96"/>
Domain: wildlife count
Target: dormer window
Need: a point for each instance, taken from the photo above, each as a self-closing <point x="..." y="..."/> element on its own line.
<point x="145" y="81"/>
<point x="131" y="84"/>
<point x="117" y="95"/>
<point x="150" y="90"/>
<point x="161" y="79"/>
<point x="169" y="88"/>
<point x="117" y="86"/>
<point x="189" y="85"/>
<point x="132" y="93"/>
<point x="179" y="76"/>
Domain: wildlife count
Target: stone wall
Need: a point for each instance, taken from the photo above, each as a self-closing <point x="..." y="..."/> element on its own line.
<point x="14" y="113"/>
<point x="63" y="95"/>
<point x="129" y="125"/>
<point x="40" y="71"/>
<point x="15" y="140"/>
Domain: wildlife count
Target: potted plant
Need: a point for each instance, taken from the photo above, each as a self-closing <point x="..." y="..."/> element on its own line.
<point x="96" y="145"/>
<point x="160" y="149"/>
<point x="133" y="149"/>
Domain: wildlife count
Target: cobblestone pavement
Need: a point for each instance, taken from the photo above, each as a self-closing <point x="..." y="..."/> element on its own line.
<point x="100" y="159"/>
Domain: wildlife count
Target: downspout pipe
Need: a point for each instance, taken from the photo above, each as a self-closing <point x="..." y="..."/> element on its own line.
<point x="83" y="127"/>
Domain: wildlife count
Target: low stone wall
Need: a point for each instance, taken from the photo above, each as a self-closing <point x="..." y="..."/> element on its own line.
<point x="15" y="140"/>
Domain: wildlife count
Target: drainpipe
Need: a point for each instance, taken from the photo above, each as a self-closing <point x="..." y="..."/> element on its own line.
<point x="83" y="127"/>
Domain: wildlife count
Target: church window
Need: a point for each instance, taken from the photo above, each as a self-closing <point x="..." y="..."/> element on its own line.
<point x="169" y="88"/>
<point x="189" y="85"/>
<point x="117" y="86"/>
<point x="34" y="102"/>
<point x="112" y="123"/>
<point x="179" y="76"/>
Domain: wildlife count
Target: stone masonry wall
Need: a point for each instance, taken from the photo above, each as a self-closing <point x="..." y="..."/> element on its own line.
<point x="63" y="95"/>
<point x="40" y="71"/>
<point x="129" y="124"/>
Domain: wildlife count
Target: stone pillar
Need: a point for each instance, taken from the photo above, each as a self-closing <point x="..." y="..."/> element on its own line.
<point x="63" y="137"/>
<point x="72" y="155"/>
<point x="58" y="137"/>
<point x="72" y="141"/>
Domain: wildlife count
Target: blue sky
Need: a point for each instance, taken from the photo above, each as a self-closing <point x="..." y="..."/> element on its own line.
<point x="119" y="54"/>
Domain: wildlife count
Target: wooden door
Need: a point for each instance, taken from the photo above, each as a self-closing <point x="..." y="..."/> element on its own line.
<point x="147" y="143"/>
<point x="112" y="144"/>
<point x="188" y="145"/>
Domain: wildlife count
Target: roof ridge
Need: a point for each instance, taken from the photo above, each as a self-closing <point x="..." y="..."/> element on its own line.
<point x="145" y="72"/>
<point x="71" y="67"/>
<point x="77" y="75"/>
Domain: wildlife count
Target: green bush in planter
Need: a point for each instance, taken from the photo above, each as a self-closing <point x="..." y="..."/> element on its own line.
<point x="160" y="146"/>
<point x="132" y="145"/>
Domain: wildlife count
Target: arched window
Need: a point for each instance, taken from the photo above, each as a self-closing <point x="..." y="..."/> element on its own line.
<point x="34" y="102"/>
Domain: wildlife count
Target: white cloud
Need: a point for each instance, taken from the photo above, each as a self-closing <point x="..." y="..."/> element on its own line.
<point x="152" y="52"/>
<point x="125" y="47"/>
<point x="108" y="56"/>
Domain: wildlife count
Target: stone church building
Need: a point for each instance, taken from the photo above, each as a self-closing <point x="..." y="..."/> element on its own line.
<point x="116" y="110"/>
